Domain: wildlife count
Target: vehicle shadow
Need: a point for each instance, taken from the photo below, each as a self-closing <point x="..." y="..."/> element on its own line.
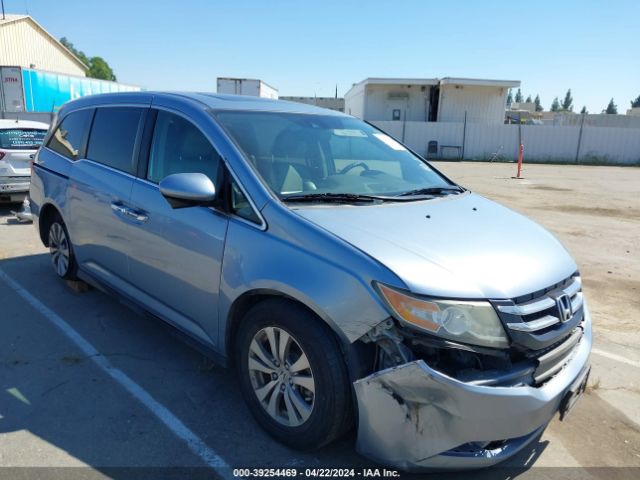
<point x="5" y="213"/>
<point x="78" y="416"/>
<point x="14" y="221"/>
<point x="520" y="465"/>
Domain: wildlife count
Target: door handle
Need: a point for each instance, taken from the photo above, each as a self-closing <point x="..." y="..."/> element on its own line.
<point x="136" y="215"/>
<point x="117" y="207"/>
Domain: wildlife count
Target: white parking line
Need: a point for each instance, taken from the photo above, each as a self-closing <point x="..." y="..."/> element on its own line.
<point x="195" y="444"/>
<point x="617" y="358"/>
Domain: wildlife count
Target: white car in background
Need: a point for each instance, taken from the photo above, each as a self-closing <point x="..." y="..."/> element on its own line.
<point x="19" y="141"/>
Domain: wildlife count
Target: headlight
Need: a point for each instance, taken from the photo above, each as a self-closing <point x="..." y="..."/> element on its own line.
<point x="468" y="322"/>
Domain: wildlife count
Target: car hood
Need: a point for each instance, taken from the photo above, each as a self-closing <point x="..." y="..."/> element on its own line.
<point x="459" y="246"/>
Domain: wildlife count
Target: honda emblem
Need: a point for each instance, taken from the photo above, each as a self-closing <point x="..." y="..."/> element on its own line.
<point x="565" y="309"/>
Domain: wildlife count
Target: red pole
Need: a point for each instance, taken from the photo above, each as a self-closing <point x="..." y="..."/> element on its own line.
<point x="520" y="158"/>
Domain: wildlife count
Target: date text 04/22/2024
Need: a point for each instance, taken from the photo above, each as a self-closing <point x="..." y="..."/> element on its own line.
<point x="316" y="472"/>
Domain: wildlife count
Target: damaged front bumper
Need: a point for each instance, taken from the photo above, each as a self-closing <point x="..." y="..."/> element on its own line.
<point x="413" y="417"/>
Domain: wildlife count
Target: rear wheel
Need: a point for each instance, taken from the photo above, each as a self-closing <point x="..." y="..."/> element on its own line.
<point x="293" y="375"/>
<point x="61" y="250"/>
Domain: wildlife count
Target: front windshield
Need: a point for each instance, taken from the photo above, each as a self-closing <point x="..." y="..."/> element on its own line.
<point x="316" y="154"/>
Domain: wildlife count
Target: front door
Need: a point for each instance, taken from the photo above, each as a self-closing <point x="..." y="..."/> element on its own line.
<point x="176" y="254"/>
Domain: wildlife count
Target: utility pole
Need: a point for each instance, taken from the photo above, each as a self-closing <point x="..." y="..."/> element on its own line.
<point x="464" y="134"/>
<point x="580" y="137"/>
<point x="3" y="16"/>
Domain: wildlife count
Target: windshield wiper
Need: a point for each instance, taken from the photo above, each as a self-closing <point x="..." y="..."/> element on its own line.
<point x="335" y="197"/>
<point x="432" y="191"/>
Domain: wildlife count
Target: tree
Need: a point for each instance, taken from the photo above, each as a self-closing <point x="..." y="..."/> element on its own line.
<point x="555" y="105"/>
<point x="612" y="108"/>
<point x="584" y="110"/>
<point x="518" y="98"/>
<point x="538" y="104"/>
<point x="509" y="98"/>
<point x="528" y="100"/>
<point x="98" y="67"/>
<point x="567" y="103"/>
<point x="83" y="58"/>
<point x="636" y="103"/>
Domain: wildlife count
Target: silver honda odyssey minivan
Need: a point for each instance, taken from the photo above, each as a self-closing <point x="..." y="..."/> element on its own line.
<point x="348" y="282"/>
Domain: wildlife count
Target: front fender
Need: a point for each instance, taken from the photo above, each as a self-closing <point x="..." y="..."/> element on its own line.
<point x="335" y="285"/>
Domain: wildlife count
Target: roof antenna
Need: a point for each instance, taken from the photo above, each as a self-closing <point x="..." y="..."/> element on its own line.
<point x="3" y="15"/>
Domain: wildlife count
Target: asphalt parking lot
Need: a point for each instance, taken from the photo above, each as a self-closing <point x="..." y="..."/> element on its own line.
<point x="87" y="382"/>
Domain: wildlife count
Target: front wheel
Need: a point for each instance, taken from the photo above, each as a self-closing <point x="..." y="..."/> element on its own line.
<point x="61" y="250"/>
<point x="293" y="375"/>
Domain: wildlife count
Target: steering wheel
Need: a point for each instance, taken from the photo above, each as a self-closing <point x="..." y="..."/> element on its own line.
<point x="353" y="165"/>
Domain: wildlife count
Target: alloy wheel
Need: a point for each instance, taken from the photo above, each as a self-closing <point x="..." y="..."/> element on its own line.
<point x="281" y="376"/>
<point x="59" y="249"/>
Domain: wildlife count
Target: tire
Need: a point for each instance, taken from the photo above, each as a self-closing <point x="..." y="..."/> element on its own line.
<point x="61" y="249"/>
<point x="277" y="393"/>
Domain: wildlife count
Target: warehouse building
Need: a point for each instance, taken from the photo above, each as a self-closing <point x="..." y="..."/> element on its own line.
<point x="38" y="74"/>
<point x="429" y="99"/>
<point x="24" y="43"/>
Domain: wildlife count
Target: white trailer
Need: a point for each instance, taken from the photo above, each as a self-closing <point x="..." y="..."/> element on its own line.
<point x="11" y="90"/>
<point x="246" y="86"/>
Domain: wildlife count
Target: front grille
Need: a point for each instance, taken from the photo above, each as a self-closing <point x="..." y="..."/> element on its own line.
<point x="552" y="361"/>
<point x="539" y="320"/>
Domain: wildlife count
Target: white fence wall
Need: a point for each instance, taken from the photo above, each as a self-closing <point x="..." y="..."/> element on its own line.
<point x="612" y="145"/>
<point x="549" y="142"/>
<point x="616" y="146"/>
<point x="445" y="133"/>
<point x="483" y="141"/>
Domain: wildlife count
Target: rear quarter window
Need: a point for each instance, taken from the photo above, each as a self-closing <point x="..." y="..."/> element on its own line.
<point x="68" y="138"/>
<point x="113" y="137"/>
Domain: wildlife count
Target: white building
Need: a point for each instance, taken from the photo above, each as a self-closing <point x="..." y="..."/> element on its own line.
<point x="429" y="99"/>
<point x="391" y="99"/>
<point x="25" y="43"/>
<point x="252" y="87"/>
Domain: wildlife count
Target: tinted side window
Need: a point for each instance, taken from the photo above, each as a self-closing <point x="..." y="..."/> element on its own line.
<point x="179" y="147"/>
<point x="240" y="206"/>
<point x="68" y="137"/>
<point x="113" y="137"/>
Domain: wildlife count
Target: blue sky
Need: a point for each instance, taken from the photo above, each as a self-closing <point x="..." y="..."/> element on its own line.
<point x="307" y="47"/>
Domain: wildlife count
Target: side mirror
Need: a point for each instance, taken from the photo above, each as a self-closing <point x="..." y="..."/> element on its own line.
<point x="183" y="190"/>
